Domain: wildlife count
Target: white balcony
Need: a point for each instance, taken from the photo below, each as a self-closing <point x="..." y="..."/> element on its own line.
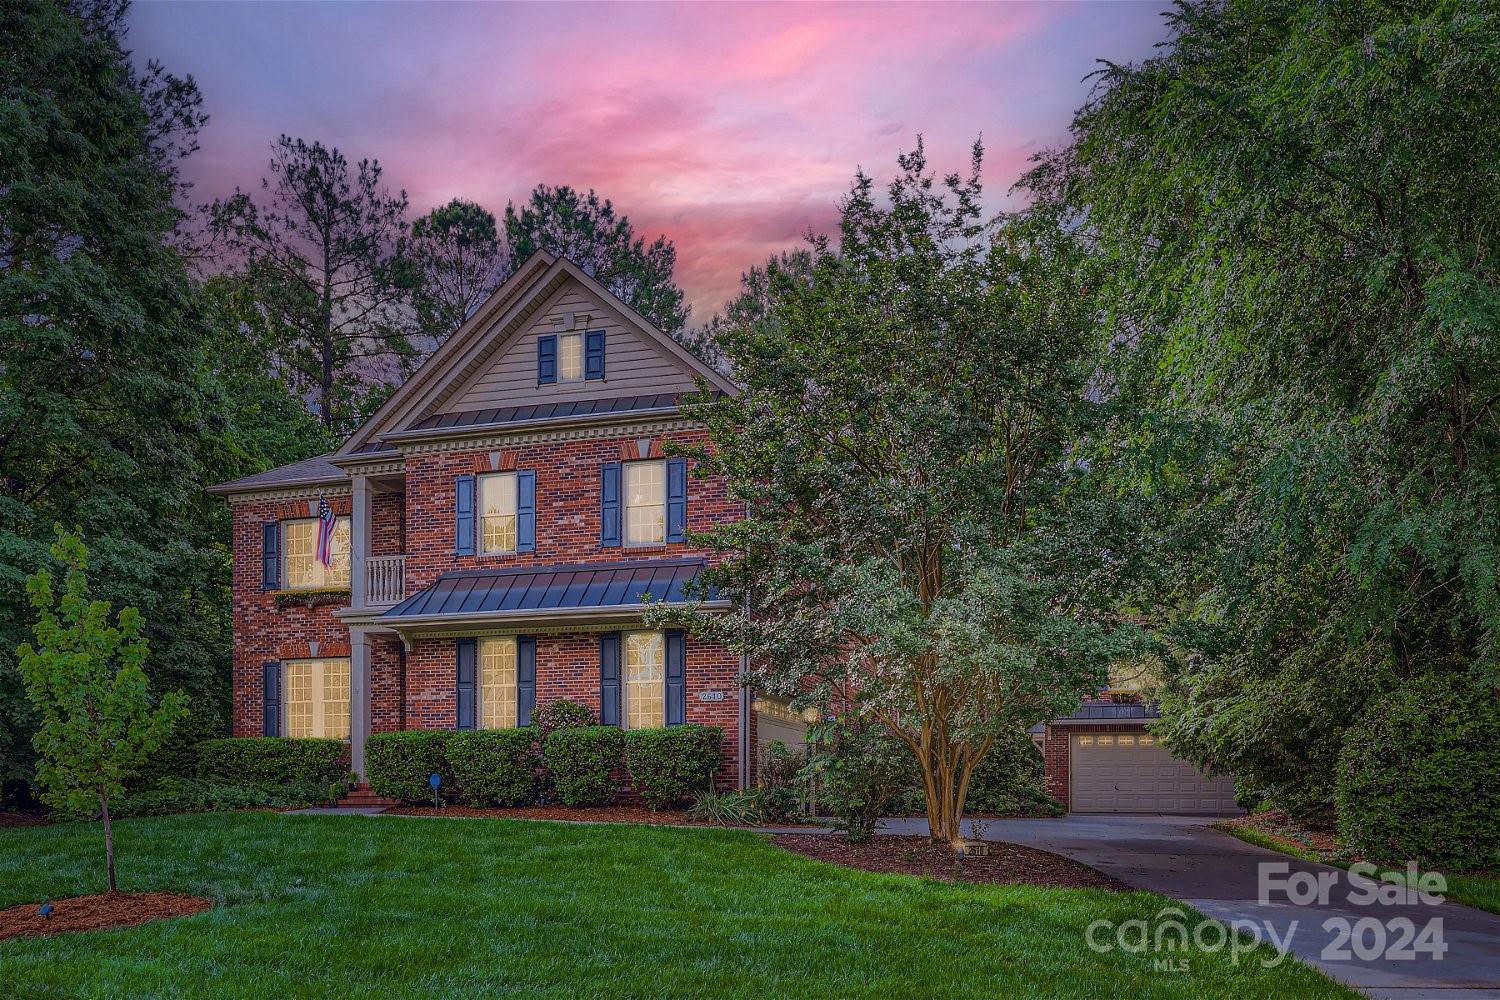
<point x="385" y="580"/>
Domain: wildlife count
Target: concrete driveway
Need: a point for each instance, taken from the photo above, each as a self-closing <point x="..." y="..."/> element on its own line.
<point x="1182" y="857"/>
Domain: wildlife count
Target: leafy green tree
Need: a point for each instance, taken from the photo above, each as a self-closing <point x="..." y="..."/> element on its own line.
<point x="99" y="722"/>
<point x="905" y="442"/>
<point x="1290" y="210"/>
<point x="459" y="260"/>
<point x="325" y="252"/>
<point x="750" y="306"/>
<point x="587" y="231"/>
<point x="101" y="404"/>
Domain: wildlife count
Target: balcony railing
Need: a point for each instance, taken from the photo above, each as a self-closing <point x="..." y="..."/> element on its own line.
<point x="385" y="580"/>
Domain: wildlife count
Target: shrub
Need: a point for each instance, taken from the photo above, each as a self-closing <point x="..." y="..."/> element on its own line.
<point x="272" y="761"/>
<point x="181" y="754"/>
<point x="562" y="714"/>
<point x="182" y="795"/>
<point x="1416" y="776"/>
<point x="495" y="767"/>
<point x="397" y="765"/>
<point x="780" y="783"/>
<point x="858" y="769"/>
<point x="728" y="808"/>
<point x="668" y="765"/>
<point x="582" y="761"/>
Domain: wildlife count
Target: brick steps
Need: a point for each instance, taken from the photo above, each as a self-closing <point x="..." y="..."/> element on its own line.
<point x="363" y="798"/>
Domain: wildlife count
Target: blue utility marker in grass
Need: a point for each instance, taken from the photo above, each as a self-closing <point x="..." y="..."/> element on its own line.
<point x="434" y="779"/>
<point x="46" y="908"/>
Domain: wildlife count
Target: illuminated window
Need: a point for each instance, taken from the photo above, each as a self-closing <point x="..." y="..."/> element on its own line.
<point x="645" y="680"/>
<point x="317" y="698"/>
<point x="1085" y="741"/>
<point x="1147" y="740"/>
<point x="645" y="502"/>
<point x="497" y="512"/>
<point x="1127" y="741"/>
<point x="497" y="683"/>
<point x="570" y="357"/>
<point x="1106" y="741"/>
<point x="299" y="549"/>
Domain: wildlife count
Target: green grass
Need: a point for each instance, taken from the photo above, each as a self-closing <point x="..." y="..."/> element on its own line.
<point x="1479" y="891"/>
<point x="337" y="906"/>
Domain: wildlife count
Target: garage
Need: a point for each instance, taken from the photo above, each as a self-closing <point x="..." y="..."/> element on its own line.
<point x="775" y="719"/>
<point x="1131" y="773"/>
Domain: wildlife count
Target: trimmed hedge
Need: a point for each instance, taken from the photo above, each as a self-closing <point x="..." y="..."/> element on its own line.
<point x="671" y="764"/>
<point x="1417" y="776"/>
<point x="582" y="761"/>
<point x="562" y="714"/>
<point x="495" y="767"/>
<point x="271" y="761"/>
<point x="397" y="765"/>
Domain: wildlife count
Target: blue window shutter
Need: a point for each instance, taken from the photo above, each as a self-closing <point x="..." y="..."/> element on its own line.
<point x="526" y="511"/>
<point x="676" y="499"/>
<point x="609" y="504"/>
<point x="525" y="678"/>
<point x="464" y="693"/>
<point x="546" y="360"/>
<point x="593" y="354"/>
<point x="463" y="516"/>
<point x="609" y="679"/>
<point x="676" y="677"/>
<point x="270" y="557"/>
<point x="270" y="673"/>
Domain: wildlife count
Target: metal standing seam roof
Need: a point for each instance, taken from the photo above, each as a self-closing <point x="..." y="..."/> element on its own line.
<point x="546" y="411"/>
<point x="580" y="587"/>
<point x="1112" y="710"/>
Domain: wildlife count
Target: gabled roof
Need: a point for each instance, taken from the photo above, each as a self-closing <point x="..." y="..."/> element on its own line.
<point x="308" y="472"/>
<point x="500" y="318"/>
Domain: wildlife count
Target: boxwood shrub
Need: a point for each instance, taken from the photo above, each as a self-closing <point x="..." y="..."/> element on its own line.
<point x="672" y="764"/>
<point x="582" y="761"/>
<point x="1416" y="776"/>
<point x="273" y="761"/>
<point x="397" y="765"/>
<point x="495" y="767"/>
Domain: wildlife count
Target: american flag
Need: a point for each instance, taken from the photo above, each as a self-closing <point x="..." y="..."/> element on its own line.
<point x="325" y="532"/>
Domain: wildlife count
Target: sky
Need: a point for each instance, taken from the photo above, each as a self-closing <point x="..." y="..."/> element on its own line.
<point x="732" y="128"/>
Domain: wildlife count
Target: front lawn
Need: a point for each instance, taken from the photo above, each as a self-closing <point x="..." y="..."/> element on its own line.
<point x="335" y="905"/>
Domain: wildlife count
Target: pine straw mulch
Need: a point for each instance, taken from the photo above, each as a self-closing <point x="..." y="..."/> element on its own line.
<point x="103" y="911"/>
<point x="571" y="814"/>
<point x="1007" y="863"/>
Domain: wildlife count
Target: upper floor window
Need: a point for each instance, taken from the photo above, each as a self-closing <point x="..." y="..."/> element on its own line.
<point x="570" y="357"/>
<point x="304" y="571"/>
<point x="645" y="502"/>
<point x="317" y="698"/>
<point x="497" y="512"/>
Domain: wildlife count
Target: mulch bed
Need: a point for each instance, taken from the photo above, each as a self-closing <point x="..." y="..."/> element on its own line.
<point x="97" y="913"/>
<point x="1007" y="863"/>
<point x="29" y="818"/>
<point x="1275" y="823"/>
<point x="574" y="814"/>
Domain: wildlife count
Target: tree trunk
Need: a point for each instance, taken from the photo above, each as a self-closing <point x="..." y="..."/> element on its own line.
<point x="109" y="839"/>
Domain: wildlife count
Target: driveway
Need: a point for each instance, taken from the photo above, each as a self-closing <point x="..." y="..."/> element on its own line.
<point x="1182" y="857"/>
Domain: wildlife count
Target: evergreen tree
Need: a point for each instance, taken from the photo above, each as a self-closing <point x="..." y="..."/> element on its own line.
<point x="458" y="260"/>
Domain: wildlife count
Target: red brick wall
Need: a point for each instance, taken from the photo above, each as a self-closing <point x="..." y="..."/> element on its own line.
<point x="567" y="501"/>
<point x="262" y="630"/>
<point x="567" y="666"/>
<point x="387" y="524"/>
<point x="387" y="685"/>
<point x="1056" y="753"/>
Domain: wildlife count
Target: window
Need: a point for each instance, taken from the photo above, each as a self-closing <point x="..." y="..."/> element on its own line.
<point x="497" y="683"/>
<point x="1085" y="741"/>
<point x="1147" y="740"/>
<point x="300" y="551"/>
<point x="317" y="698"/>
<point x="570" y="357"/>
<point x="497" y="512"/>
<point x="645" y="687"/>
<point x="1106" y="741"/>
<point x="1127" y="741"/>
<point x="645" y="502"/>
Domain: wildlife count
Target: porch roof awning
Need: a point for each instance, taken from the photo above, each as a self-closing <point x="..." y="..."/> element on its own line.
<point x="578" y="590"/>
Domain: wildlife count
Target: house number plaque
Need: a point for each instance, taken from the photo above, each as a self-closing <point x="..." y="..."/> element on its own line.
<point x="710" y="695"/>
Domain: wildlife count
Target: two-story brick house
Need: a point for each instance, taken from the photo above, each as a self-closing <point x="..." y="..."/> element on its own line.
<point x="498" y="523"/>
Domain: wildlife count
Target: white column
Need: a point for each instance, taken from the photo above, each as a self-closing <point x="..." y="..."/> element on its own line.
<point x="359" y="543"/>
<point x="359" y="699"/>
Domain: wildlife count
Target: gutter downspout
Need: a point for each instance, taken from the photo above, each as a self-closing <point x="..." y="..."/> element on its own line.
<point x="745" y="750"/>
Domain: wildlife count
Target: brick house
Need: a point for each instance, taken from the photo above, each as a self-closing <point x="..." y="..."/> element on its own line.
<point x="496" y="525"/>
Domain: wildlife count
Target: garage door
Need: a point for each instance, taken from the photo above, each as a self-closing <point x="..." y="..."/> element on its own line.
<point x="775" y="720"/>
<point x="1129" y="772"/>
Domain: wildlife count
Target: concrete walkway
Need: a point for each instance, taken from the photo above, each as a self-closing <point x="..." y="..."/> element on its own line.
<point x="1218" y="874"/>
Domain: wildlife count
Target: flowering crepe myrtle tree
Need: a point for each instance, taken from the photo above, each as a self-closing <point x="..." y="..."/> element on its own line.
<point x="921" y="545"/>
<point x="99" y="722"/>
